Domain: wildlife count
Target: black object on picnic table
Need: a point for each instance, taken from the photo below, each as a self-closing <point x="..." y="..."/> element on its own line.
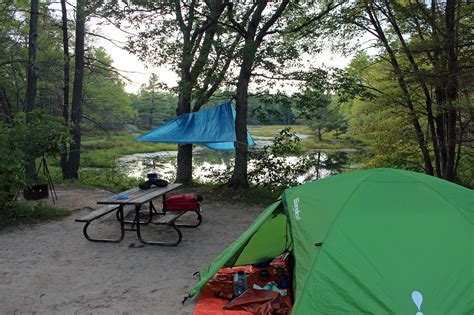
<point x="153" y="180"/>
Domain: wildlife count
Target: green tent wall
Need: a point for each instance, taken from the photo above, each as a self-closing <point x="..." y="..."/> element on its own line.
<point x="387" y="237"/>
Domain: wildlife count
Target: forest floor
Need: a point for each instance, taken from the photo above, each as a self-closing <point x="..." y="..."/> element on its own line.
<point x="51" y="268"/>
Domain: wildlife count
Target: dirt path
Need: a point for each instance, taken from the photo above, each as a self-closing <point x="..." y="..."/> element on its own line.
<point x="51" y="268"/>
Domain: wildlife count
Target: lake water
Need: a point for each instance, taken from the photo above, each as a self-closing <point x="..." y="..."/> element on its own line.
<point x="205" y="162"/>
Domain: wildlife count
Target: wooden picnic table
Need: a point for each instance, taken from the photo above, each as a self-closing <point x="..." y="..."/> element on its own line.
<point x="137" y="197"/>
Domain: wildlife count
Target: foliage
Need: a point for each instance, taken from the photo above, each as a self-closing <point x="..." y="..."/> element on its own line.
<point x="270" y="110"/>
<point x="19" y="213"/>
<point x="273" y="130"/>
<point x="424" y="51"/>
<point x="21" y="142"/>
<point x="106" y="104"/>
<point x="43" y="135"/>
<point x="154" y="106"/>
<point x="270" y="167"/>
<point x="219" y="192"/>
<point x="198" y="46"/>
<point x="107" y="178"/>
<point x="320" y="112"/>
<point x="466" y="168"/>
<point x="100" y="151"/>
<point x="285" y="142"/>
<point x="98" y="160"/>
<point x="277" y="166"/>
<point x="380" y="120"/>
<point x="12" y="164"/>
<point x="394" y="145"/>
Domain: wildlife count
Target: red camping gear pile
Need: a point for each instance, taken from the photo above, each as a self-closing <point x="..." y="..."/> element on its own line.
<point x="268" y="291"/>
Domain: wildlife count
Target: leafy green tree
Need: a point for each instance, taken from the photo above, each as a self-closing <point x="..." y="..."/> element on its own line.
<point x="254" y="32"/>
<point x="154" y="106"/>
<point x="14" y="31"/>
<point x="191" y="37"/>
<point x="32" y="76"/>
<point x="21" y="142"/>
<point x="385" y="124"/>
<point x="272" y="40"/>
<point x="320" y="112"/>
<point x="425" y="44"/>
<point x="102" y="101"/>
<point x="13" y="57"/>
<point x="66" y="77"/>
<point x="271" y="110"/>
<point x="106" y="104"/>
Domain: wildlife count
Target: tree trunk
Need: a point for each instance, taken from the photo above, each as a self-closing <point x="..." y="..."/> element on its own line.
<point x="184" y="172"/>
<point x="65" y="107"/>
<point x="197" y="47"/>
<point x="239" y="176"/>
<point x="320" y="137"/>
<point x="77" y="94"/>
<point x="420" y="137"/>
<point x="421" y="80"/>
<point x="185" y="152"/>
<point x="17" y="87"/>
<point x="253" y="40"/>
<point x="451" y="88"/>
<point x="152" y="107"/>
<point x="6" y="106"/>
<point x="32" y="75"/>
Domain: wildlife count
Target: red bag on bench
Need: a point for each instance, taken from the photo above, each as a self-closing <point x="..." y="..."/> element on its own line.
<point x="181" y="203"/>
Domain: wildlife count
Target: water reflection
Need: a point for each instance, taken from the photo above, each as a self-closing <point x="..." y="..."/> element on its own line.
<point x="206" y="162"/>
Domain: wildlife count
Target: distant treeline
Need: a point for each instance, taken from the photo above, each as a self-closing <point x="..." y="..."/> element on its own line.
<point x="154" y="107"/>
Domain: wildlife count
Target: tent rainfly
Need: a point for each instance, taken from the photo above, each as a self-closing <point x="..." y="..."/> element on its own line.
<point x="213" y="127"/>
<point x="378" y="241"/>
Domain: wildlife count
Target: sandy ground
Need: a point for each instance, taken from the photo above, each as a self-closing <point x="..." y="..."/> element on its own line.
<point x="51" y="268"/>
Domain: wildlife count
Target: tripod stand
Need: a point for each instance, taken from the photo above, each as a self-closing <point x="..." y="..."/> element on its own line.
<point x="40" y="191"/>
<point x="43" y="166"/>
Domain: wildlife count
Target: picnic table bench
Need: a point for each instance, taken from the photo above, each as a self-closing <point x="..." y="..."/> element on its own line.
<point x="137" y="198"/>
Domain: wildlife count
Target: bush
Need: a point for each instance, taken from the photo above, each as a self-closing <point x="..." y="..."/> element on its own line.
<point x="12" y="163"/>
<point x="19" y="143"/>
<point x="14" y="213"/>
<point x="269" y="167"/>
<point x="110" y="179"/>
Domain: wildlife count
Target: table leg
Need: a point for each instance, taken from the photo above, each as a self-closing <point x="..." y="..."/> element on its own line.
<point x="137" y="217"/>
<point x="105" y="240"/>
<point x="153" y="209"/>
<point x="164" y="202"/>
<point x="198" y="220"/>
<point x="148" y="221"/>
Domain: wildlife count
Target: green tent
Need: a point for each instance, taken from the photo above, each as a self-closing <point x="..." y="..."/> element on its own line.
<point x="373" y="241"/>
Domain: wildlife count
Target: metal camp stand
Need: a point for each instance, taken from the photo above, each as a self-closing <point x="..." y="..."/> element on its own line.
<point x="49" y="179"/>
<point x="43" y="165"/>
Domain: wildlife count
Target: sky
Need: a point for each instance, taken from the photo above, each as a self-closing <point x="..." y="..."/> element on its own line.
<point x="129" y="65"/>
<point x="139" y="72"/>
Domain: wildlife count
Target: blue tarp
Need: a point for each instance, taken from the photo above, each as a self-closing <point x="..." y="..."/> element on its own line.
<point x="213" y="128"/>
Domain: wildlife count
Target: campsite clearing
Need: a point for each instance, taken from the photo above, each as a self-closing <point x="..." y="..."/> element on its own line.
<point x="52" y="268"/>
